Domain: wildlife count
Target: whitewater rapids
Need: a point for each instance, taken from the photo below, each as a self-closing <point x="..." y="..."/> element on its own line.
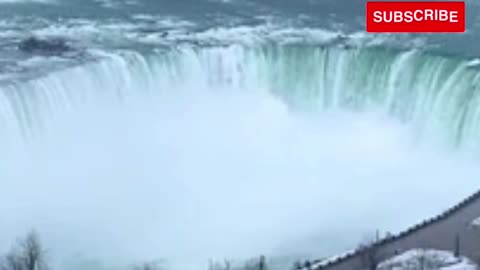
<point x="233" y="152"/>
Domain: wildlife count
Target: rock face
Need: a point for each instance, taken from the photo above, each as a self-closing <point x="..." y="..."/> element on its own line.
<point x="34" y="45"/>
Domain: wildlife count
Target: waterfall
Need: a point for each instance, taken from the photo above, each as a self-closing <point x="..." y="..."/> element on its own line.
<point x="430" y="92"/>
<point x="227" y="152"/>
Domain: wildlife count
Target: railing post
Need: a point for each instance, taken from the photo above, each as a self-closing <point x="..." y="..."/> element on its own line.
<point x="457" y="245"/>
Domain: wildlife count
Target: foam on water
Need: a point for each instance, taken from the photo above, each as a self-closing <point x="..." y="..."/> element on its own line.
<point x="154" y="31"/>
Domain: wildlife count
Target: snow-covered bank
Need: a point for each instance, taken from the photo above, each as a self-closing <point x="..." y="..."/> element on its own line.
<point x="427" y="259"/>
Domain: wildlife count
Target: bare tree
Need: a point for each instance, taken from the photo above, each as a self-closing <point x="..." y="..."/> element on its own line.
<point x="297" y="265"/>
<point x="227" y="265"/>
<point x="262" y="264"/>
<point x="11" y="261"/>
<point x="308" y="265"/>
<point x="33" y="253"/>
<point x="252" y="264"/>
<point x="256" y="264"/>
<point x="150" y="265"/>
<point x="27" y="255"/>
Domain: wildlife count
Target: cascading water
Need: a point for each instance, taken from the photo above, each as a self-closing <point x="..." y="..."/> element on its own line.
<point x="230" y="152"/>
<point x="409" y="86"/>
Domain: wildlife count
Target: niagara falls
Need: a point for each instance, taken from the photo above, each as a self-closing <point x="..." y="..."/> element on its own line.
<point x="193" y="132"/>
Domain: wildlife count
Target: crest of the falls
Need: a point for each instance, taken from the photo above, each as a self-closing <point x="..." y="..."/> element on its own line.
<point x="433" y="93"/>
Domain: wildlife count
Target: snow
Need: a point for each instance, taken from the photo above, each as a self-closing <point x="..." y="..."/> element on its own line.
<point x="475" y="222"/>
<point x="331" y="259"/>
<point x="429" y="259"/>
<point x="474" y="63"/>
<point x="414" y="258"/>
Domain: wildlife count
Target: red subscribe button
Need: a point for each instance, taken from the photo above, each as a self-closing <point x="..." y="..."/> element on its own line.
<point x="416" y="17"/>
